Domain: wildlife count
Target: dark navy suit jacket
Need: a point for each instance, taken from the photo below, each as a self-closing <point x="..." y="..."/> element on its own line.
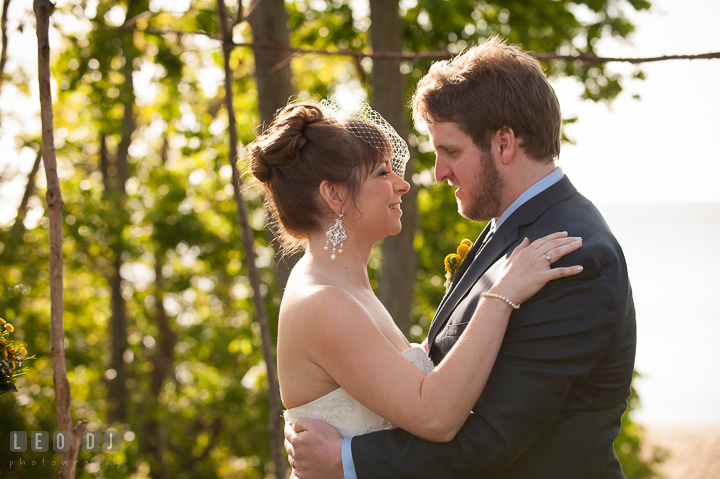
<point x="552" y="406"/>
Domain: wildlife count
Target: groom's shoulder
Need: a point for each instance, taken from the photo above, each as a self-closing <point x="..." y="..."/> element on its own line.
<point x="579" y="217"/>
<point x="576" y="212"/>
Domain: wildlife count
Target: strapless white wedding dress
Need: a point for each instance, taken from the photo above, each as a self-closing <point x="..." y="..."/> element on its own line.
<point x="345" y="413"/>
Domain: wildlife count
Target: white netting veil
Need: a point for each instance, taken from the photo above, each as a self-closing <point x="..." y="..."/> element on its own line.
<point x="372" y="128"/>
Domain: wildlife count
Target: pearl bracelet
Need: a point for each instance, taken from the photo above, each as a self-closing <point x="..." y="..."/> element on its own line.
<point x="501" y="298"/>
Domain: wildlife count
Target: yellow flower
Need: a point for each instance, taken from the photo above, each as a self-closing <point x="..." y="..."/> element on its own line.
<point x="2" y="321"/>
<point x="452" y="261"/>
<point x="10" y="349"/>
<point x="5" y="354"/>
<point x="23" y="351"/>
<point x="9" y="327"/>
<point x="13" y="364"/>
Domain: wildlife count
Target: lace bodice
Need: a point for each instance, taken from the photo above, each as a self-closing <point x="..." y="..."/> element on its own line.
<point x="346" y="414"/>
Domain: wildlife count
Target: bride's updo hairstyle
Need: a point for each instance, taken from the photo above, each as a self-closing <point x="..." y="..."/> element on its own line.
<point x="304" y="145"/>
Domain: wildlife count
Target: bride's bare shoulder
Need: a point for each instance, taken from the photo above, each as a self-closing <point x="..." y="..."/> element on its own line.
<point x="318" y="298"/>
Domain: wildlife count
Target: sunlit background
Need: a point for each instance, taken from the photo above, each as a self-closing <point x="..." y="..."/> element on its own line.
<point x="651" y="165"/>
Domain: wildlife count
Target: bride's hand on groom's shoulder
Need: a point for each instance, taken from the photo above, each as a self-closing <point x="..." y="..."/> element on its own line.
<point x="314" y="449"/>
<point x="529" y="267"/>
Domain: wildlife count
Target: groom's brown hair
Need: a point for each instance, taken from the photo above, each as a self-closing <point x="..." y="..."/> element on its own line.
<point x="490" y="86"/>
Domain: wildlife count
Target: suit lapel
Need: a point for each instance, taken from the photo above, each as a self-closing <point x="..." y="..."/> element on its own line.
<point x="464" y="267"/>
<point x="500" y="241"/>
<point x="505" y="237"/>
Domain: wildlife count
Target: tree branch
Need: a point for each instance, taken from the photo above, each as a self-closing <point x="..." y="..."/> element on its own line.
<point x="3" y="32"/>
<point x="439" y="55"/>
<point x="43" y="9"/>
<point x="430" y="55"/>
<point x="248" y="240"/>
<point x="29" y="189"/>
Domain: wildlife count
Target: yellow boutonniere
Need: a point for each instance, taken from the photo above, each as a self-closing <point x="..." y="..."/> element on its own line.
<point x="453" y="261"/>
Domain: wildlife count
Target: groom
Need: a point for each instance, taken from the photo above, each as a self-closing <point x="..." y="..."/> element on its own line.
<point x="552" y="406"/>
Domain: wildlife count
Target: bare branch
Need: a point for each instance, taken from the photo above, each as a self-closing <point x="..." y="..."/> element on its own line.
<point x="251" y="8"/>
<point x="43" y="9"/>
<point x="277" y="67"/>
<point x="587" y="58"/>
<point x="29" y="189"/>
<point x="248" y="239"/>
<point x="166" y="31"/>
<point x="438" y="55"/>
<point x="431" y="55"/>
<point x="130" y="22"/>
<point x="3" y="32"/>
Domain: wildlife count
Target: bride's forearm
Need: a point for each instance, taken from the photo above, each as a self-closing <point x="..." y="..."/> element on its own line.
<point x="448" y="394"/>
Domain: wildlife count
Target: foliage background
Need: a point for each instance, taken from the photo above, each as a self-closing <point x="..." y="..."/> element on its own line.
<point x="150" y="225"/>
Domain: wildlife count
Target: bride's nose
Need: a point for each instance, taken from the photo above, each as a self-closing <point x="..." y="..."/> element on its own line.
<point x="401" y="186"/>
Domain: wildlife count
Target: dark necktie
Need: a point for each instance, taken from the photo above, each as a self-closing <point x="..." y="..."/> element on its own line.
<point x="484" y="242"/>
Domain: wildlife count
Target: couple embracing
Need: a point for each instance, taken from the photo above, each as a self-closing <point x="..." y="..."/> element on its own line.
<point x="527" y="366"/>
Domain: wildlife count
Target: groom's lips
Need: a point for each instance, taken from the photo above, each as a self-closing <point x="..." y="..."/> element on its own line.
<point x="395" y="206"/>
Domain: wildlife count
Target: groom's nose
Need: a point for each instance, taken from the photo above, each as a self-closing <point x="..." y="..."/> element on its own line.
<point x="442" y="171"/>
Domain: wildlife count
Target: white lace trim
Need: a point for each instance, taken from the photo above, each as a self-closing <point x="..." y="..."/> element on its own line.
<point x="332" y="413"/>
<point x="423" y="364"/>
<point x="384" y="424"/>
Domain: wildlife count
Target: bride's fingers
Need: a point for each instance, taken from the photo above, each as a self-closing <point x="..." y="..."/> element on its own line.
<point x="557" y="252"/>
<point x="556" y="273"/>
<point x="540" y="242"/>
<point x="524" y="244"/>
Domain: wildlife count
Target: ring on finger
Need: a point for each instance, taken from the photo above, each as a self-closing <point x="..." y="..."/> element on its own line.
<point x="547" y="257"/>
<point x="292" y="463"/>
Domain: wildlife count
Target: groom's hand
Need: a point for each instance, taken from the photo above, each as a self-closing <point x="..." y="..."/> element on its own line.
<point x="315" y="449"/>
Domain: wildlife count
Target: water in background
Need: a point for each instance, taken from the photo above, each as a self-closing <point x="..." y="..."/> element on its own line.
<point x="673" y="255"/>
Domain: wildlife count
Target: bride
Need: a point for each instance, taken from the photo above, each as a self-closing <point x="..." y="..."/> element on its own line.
<point x="333" y="184"/>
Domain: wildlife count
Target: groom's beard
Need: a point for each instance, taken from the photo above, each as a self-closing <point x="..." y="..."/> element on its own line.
<point x="484" y="201"/>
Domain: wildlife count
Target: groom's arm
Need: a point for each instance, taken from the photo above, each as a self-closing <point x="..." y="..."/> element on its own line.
<point x="555" y="339"/>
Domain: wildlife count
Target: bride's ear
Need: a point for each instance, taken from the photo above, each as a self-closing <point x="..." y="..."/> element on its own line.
<point x="333" y="195"/>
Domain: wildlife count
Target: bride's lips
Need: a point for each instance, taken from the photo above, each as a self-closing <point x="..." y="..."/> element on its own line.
<point x="396" y="206"/>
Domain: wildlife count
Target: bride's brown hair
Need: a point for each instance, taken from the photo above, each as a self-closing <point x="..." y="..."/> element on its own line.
<point x="303" y="146"/>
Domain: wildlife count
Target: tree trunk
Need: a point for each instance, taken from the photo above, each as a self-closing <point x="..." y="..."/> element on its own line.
<point x="276" y="422"/>
<point x="43" y="9"/>
<point x="115" y="175"/>
<point x="274" y="82"/>
<point x="397" y="279"/>
<point x="3" y="34"/>
<point x="29" y="189"/>
<point x="163" y="360"/>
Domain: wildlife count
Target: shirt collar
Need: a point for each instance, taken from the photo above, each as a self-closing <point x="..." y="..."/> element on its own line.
<point x="531" y="192"/>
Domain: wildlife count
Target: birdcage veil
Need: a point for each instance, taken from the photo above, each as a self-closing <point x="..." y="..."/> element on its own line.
<point x="372" y="128"/>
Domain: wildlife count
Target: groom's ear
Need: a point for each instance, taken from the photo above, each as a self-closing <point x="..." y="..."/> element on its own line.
<point x="333" y="195"/>
<point x="504" y="143"/>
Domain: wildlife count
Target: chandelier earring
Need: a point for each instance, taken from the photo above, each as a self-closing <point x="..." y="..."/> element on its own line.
<point x="337" y="236"/>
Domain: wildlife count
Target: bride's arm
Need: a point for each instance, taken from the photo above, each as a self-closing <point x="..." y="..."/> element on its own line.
<point x="351" y="349"/>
